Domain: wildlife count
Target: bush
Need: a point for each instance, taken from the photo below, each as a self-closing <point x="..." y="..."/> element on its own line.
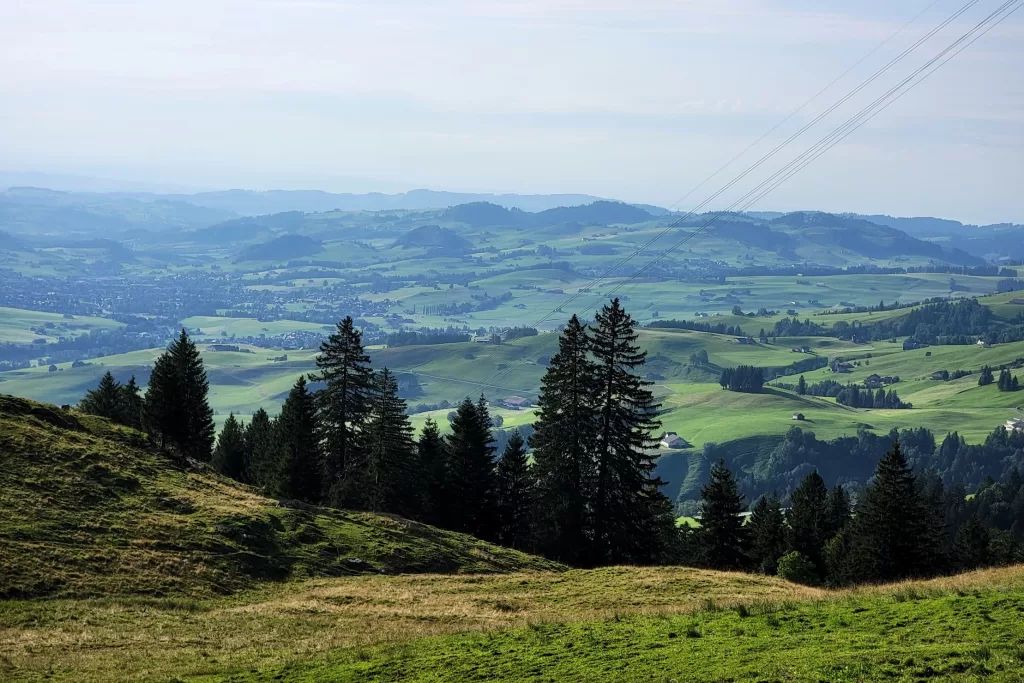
<point x="796" y="567"/>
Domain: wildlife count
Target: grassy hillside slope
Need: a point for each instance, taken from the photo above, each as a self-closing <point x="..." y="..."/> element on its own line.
<point x="88" y="508"/>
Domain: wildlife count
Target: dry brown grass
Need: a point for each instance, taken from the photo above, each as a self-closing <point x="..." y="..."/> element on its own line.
<point x="87" y="640"/>
<point x="136" y="639"/>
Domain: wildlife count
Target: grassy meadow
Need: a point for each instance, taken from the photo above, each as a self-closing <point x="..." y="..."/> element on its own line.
<point x="21" y="326"/>
<point x="612" y="624"/>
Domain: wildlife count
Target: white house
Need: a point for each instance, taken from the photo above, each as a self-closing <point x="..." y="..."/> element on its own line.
<point x="673" y="440"/>
<point x="1015" y="424"/>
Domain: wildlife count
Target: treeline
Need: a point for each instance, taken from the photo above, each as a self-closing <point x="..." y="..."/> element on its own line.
<point x="718" y="328"/>
<point x="1007" y="380"/>
<point x="850" y="460"/>
<point x="937" y="322"/>
<point x="424" y="337"/>
<point x="92" y="344"/>
<point x="851" y="395"/>
<point x="903" y="525"/>
<point x="174" y="410"/>
<point x="748" y="379"/>
<point x="589" y="497"/>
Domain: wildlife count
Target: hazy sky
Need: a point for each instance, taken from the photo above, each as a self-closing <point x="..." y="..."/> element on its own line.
<point x="637" y="100"/>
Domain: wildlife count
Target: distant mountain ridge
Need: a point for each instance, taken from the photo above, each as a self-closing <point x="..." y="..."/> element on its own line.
<point x="283" y="247"/>
<point x="602" y="212"/>
<point x="252" y="203"/>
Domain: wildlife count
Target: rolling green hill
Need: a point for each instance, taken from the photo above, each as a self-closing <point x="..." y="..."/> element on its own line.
<point x="90" y="509"/>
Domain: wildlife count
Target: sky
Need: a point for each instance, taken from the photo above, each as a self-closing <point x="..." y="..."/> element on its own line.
<point x="641" y="101"/>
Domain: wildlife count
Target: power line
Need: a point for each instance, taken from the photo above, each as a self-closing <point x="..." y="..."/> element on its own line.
<point x="830" y="140"/>
<point x="840" y="133"/>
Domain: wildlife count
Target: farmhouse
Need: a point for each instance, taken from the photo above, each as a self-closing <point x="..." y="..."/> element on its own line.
<point x="840" y="366"/>
<point x="673" y="440"/>
<point x="1015" y="424"/>
<point x="799" y="416"/>
<point x="515" y="402"/>
<point x="911" y="344"/>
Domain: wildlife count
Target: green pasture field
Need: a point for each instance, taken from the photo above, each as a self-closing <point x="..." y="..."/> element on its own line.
<point x="212" y="326"/>
<point x="239" y="382"/>
<point x="16" y="325"/>
<point x="695" y="406"/>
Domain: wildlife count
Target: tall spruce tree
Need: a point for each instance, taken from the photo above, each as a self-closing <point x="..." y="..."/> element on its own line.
<point x="391" y="453"/>
<point x="161" y="409"/>
<point x="264" y="463"/>
<point x="626" y="493"/>
<point x="767" y="531"/>
<point x="722" y="538"/>
<point x="469" y="497"/>
<point x="298" y="446"/>
<point x="176" y="405"/>
<point x="229" y="457"/>
<point x="892" y="535"/>
<point x="131" y="404"/>
<point x="564" y="443"/>
<point x="837" y="510"/>
<point x="105" y="400"/>
<point x="971" y="545"/>
<point x="343" y="407"/>
<point x="198" y="431"/>
<point x="516" y="490"/>
<point x="809" y="522"/>
<point x="430" y="451"/>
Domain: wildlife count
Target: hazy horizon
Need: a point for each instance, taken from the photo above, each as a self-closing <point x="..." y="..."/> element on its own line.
<point x="637" y="102"/>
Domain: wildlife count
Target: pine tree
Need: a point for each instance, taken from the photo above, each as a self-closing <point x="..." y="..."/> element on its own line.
<point x="892" y="533"/>
<point x="801" y="386"/>
<point x="469" y="504"/>
<point x="105" y="400"/>
<point x="430" y="450"/>
<point x="196" y="433"/>
<point x="626" y="491"/>
<point x="176" y="405"/>
<point x="809" y="520"/>
<point x="229" y="456"/>
<point x="391" y="453"/>
<point x="767" y="530"/>
<point x="971" y="545"/>
<point x="516" y="490"/>
<point x="162" y="411"/>
<point x="297" y="445"/>
<point x="264" y="467"/>
<point x="564" y="442"/>
<point x="131" y="404"/>
<point x="838" y="566"/>
<point x="837" y="510"/>
<point x="985" y="378"/>
<point x="343" y="406"/>
<point x="1004" y="380"/>
<point x="722" y="537"/>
